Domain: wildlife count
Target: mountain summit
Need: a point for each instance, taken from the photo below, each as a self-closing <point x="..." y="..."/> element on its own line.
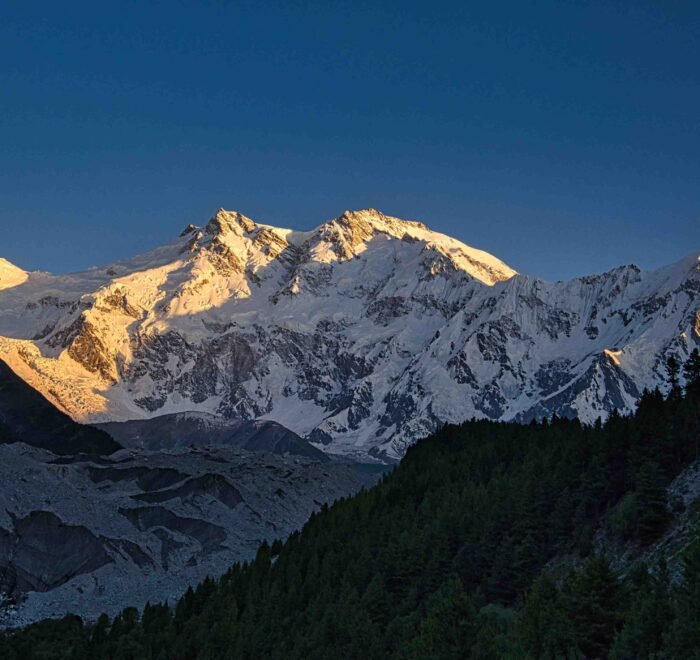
<point x="10" y="275"/>
<point x="361" y="335"/>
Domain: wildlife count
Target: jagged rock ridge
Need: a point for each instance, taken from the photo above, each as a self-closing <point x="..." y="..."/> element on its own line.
<point x="361" y="335"/>
<point x="205" y="430"/>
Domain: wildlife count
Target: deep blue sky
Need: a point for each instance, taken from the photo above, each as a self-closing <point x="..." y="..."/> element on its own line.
<point x="563" y="137"/>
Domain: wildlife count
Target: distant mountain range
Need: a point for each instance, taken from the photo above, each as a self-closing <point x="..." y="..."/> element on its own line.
<point x="205" y="430"/>
<point x="360" y="336"/>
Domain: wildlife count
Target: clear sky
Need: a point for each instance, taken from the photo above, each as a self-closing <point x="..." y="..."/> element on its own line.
<point x="564" y="137"/>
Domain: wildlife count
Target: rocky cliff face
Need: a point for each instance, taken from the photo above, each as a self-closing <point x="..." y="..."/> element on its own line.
<point x="361" y="335"/>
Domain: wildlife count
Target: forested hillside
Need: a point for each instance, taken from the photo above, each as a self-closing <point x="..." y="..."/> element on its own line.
<point x="489" y="540"/>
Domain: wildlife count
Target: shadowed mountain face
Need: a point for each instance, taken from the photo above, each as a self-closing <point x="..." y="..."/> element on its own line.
<point x="26" y="416"/>
<point x="204" y="430"/>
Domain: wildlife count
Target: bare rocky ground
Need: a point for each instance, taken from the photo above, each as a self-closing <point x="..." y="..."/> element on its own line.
<point x="90" y="535"/>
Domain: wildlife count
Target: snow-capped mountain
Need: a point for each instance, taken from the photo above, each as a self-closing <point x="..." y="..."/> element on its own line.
<point x="10" y="275"/>
<point x="361" y="335"/>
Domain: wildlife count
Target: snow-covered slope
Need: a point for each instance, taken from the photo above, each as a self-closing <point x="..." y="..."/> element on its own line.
<point x="361" y="335"/>
<point x="10" y="275"/>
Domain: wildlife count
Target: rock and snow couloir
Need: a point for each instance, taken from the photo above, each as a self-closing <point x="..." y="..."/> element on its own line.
<point x="361" y="335"/>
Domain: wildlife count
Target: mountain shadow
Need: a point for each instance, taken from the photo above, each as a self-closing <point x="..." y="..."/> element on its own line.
<point x="26" y="416"/>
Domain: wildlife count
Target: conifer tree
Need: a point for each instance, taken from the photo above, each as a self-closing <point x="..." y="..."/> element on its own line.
<point x="595" y="602"/>
<point x="691" y="369"/>
<point x="544" y="630"/>
<point x="673" y="369"/>
<point x="647" y="617"/>
<point x="449" y="629"/>
<point x="684" y="637"/>
<point x="651" y="501"/>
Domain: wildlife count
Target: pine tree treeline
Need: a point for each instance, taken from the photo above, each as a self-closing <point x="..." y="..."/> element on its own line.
<point x="453" y="555"/>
